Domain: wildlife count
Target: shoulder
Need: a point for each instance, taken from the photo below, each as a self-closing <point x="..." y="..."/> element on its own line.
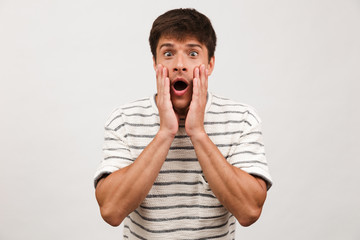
<point x="139" y="108"/>
<point x="224" y="105"/>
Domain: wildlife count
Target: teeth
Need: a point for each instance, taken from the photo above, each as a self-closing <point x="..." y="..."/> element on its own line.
<point x="180" y="85"/>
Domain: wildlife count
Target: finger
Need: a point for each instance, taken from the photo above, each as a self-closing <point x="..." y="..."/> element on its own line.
<point x="200" y="79"/>
<point x="197" y="73"/>
<point x="158" y="78"/>
<point x="196" y="81"/>
<point x="167" y="88"/>
<point x="203" y="77"/>
<point x="195" y="88"/>
<point x="166" y="82"/>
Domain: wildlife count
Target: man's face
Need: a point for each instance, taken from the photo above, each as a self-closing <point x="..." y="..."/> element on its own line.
<point x="181" y="58"/>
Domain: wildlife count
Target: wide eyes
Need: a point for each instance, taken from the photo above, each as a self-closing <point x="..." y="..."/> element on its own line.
<point x="167" y="54"/>
<point x="191" y="54"/>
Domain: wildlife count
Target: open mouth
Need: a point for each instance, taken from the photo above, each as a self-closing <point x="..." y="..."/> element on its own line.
<point x="180" y="85"/>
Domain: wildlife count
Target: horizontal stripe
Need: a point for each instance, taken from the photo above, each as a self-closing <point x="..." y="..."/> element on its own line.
<point x="134" y="125"/>
<point x="224" y="133"/>
<point x="111" y="139"/>
<point x="245" y="162"/>
<point x="177" y="183"/>
<point x="250" y="133"/>
<point x="137" y="147"/>
<point x="181" y="159"/>
<point x="178" y="218"/>
<point x="225" y="145"/>
<point x="179" y="195"/>
<point x="180" y="206"/>
<point x="139" y="135"/>
<point x="136" y="106"/>
<point x="224" y="112"/>
<point x="150" y="136"/>
<point x="222" y="98"/>
<point x="182" y="148"/>
<point x="141" y="115"/>
<point x="115" y="149"/>
<point x="256" y="143"/>
<point x="228" y="104"/>
<point x="141" y="100"/>
<point x="245" y="152"/>
<point x="177" y="229"/>
<point x="142" y="124"/>
<point x="227" y="122"/>
<point x="124" y="158"/>
<point x="171" y="148"/>
<point x="181" y="136"/>
<point x="180" y="171"/>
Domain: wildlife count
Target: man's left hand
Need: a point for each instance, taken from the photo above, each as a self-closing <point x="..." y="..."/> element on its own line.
<point x="194" y="123"/>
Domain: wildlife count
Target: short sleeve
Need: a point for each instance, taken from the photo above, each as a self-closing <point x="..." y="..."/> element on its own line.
<point x="116" y="153"/>
<point x="248" y="152"/>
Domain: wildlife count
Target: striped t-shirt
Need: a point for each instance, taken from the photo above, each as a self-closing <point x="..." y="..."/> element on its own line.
<point x="181" y="205"/>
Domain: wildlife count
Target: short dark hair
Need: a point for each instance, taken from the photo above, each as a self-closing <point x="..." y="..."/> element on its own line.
<point x="180" y="24"/>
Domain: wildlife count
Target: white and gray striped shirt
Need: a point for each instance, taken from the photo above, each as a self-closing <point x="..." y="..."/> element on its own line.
<point x="181" y="205"/>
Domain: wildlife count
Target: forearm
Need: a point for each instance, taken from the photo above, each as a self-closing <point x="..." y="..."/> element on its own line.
<point x="242" y="194"/>
<point x="123" y="191"/>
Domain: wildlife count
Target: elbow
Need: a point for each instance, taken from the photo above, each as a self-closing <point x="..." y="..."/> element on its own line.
<point x="111" y="216"/>
<point x="249" y="218"/>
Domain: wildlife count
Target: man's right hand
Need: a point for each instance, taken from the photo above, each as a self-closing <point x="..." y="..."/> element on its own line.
<point x="169" y="120"/>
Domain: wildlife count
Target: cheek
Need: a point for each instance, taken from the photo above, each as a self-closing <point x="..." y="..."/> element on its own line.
<point x="192" y="71"/>
<point x="166" y="64"/>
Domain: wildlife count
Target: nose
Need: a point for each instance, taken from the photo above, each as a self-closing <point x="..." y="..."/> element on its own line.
<point x="180" y="65"/>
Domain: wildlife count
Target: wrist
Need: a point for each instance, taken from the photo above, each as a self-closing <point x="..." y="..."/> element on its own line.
<point x="198" y="135"/>
<point x="165" y="135"/>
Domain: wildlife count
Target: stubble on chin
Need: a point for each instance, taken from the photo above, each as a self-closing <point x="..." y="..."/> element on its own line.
<point x="181" y="112"/>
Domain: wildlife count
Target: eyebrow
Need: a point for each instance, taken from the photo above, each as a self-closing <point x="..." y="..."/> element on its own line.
<point x="166" y="45"/>
<point x="191" y="45"/>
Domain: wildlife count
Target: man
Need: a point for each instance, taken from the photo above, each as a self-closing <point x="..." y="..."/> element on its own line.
<point x="183" y="164"/>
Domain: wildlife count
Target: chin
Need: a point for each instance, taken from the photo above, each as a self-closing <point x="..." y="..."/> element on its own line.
<point x="181" y="107"/>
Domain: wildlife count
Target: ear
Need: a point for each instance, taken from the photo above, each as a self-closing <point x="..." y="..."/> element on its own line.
<point x="211" y="65"/>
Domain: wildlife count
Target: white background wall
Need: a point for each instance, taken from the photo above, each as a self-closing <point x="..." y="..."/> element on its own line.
<point x="64" y="65"/>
